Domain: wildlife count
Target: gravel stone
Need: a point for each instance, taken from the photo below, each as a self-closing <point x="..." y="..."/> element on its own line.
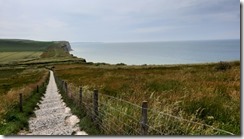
<point x="53" y="117"/>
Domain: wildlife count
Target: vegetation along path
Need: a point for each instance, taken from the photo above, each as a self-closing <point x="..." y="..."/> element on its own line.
<point x="53" y="117"/>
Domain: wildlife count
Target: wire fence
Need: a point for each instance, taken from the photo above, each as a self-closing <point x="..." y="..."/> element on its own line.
<point x="115" y="116"/>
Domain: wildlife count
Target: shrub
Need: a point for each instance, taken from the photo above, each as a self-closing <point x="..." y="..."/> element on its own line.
<point x="121" y="64"/>
<point x="223" y="66"/>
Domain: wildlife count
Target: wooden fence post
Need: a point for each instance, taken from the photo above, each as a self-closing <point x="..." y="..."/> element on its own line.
<point x="66" y="87"/>
<point x="70" y="94"/>
<point x="37" y="89"/>
<point x="144" y="125"/>
<point x="80" y="96"/>
<point x="95" y="104"/>
<point x="62" y="85"/>
<point x="20" y="103"/>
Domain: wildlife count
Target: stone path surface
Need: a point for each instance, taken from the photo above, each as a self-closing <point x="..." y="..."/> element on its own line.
<point x="53" y="117"/>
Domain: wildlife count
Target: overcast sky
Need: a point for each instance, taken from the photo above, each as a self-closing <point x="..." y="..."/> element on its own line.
<point x="120" y="20"/>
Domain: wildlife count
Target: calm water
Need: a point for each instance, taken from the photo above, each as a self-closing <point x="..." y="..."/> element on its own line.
<point x="177" y="52"/>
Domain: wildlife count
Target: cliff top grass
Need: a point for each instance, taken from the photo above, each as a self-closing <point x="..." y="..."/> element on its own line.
<point x="15" y="51"/>
<point x="200" y="91"/>
<point x="15" y="45"/>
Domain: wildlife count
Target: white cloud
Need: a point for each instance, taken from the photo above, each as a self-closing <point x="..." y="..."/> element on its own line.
<point x="160" y="29"/>
<point x="109" y="20"/>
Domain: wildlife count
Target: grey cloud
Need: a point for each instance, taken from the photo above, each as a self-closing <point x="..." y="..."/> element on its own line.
<point x="119" y="20"/>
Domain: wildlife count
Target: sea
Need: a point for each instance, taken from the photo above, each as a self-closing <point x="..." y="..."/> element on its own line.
<point x="158" y="53"/>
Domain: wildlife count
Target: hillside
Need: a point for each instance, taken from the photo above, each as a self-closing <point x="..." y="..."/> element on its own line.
<point x="16" y="45"/>
<point x="199" y="93"/>
<point x="17" y="51"/>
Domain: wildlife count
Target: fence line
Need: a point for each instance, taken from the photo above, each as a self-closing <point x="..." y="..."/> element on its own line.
<point x="101" y="107"/>
<point x="123" y="123"/>
<point x="119" y="99"/>
<point x="116" y="117"/>
<point x="181" y="119"/>
<point x="113" y="123"/>
<point x="120" y="112"/>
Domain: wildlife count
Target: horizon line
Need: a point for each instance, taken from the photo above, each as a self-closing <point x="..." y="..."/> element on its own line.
<point x="149" y="41"/>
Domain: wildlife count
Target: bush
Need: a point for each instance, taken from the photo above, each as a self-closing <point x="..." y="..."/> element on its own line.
<point x="223" y="66"/>
<point x="121" y="64"/>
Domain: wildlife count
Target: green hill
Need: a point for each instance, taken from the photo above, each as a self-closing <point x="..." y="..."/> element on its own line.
<point x="17" y="51"/>
<point x="16" y="45"/>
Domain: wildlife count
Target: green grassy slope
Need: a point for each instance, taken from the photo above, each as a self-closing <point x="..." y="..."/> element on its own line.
<point x="15" y="45"/>
<point x="16" y="51"/>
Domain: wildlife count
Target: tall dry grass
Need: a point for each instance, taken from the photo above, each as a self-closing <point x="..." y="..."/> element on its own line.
<point x="11" y="98"/>
<point x="200" y="93"/>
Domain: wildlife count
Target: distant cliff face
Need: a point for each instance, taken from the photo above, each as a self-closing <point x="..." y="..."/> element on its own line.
<point x="65" y="45"/>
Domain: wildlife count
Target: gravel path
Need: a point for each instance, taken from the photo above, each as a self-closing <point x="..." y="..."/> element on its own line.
<point x="53" y="117"/>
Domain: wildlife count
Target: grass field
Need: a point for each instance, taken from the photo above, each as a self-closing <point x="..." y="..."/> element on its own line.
<point x="209" y="93"/>
<point x="17" y="80"/>
<point x="14" y="81"/>
<point x="11" y="57"/>
<point x="14" y="121"/>
<point x="13" y="51"/>
<point x="21" y="72"/>
<point x="12" y="45"/>
<point x="206" y="93"/>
